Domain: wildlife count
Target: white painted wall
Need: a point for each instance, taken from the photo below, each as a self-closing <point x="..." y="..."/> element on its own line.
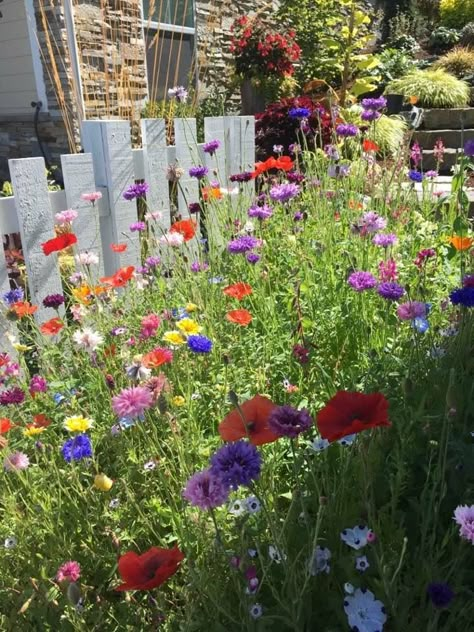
<point x="18" y="84"/>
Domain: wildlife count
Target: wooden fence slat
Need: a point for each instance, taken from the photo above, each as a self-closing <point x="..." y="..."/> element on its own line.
<point x="214" y="130"/>
<point x="247" y="150"/>
<point x="35" y="220"/>
<point x="78" y="174"/>
<point x="109" y="142"/>
<point x="155" y="166"/>
<point x="185" y="139"/>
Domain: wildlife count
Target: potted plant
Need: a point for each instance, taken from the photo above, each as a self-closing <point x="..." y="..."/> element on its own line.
<point x="264" y="58"/>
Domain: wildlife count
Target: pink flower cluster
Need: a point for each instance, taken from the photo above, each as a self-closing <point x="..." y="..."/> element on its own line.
<point x="149" y="326"/>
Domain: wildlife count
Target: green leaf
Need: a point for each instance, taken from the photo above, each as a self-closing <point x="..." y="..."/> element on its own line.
<point x="460" y="225"/>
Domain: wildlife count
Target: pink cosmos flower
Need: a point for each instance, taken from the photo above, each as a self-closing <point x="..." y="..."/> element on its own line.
<point x="69" y="571"/>
<point x="91" y="197"/>
<point x="464" y="516"/>
<point x="411" y="310"/>
<point x="16" y="461"/>
<point x="132" y="402"/>
<point x="66" y="217"/>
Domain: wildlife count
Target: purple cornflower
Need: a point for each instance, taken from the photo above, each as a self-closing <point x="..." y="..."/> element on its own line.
<point x="464" y="516"/>
<point x="13" y="296"/>
<point x="198" y="172"/>
<point x="469" y="148"/>
<point x="287" y="421"/>
<point x="384" y="239"/>
<point x="179" y="93"/>
<point x="347" y="130"/>
<point x="463" y="296"/>
<point x="135" y="191"/>
<point x="371" y="222"/>
<point x="236" y="463"/>
<point x="375" y="103"/>
<point x="440" y="594"/>
<point x="13" y="395"/>
<point x="361" y="281"/>
<point x="332" y="152"/>
<point x="242" y="244"/>
<point x="152" y="262"/>
<point x="411" y="310"/>
<point x="252" y="257"/>
<point x="415" y="176"/>
<point x="194" y="207"/>
<point x="295" y="176"/>
<point x="284" y="192"/>
<point x="77" y="448"/>
<point x="206" y="491"/>
<point x="38" y="384"/>
<point x="132" y="402"/>
<point x="211" y="147"/>
<point x="246" y="176"/>
<point x="199" y="344"/>
<point x="298" y="216"/>
<point x="137" y="227"/>
<point x="370" y="115"/>
<point x="16" y="461"/>
<point x="262" y="212"/>
<point x="294" y="148"/>
<point x="431" y="174"/>
<point x="299" y="113"/>
<point x="390" y="291"/>
<point x="53" y="300"/>
<point x="197" y="266"/>
<point x="468" y="280"/>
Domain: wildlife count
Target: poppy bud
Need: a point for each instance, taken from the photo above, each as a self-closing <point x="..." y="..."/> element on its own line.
<point x="232" y="397"/>
<point x="103" y="482"/>
<point x="74" y="593"/>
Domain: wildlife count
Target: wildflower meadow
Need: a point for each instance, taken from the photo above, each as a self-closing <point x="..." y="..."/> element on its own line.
<point x="269" y="425"/>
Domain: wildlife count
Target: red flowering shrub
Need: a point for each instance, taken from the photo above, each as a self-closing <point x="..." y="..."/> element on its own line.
<point x="275" y="126"/>
<point x="262" y="52"/>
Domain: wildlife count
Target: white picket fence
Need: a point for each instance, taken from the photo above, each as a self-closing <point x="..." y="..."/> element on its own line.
<point x="110" y="165"/>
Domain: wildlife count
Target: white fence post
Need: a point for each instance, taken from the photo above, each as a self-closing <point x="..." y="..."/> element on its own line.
<point x="185" y="140"/>
<point x="109" y="142"/>
<point x="156" y="163"/>
<point x="78" y="174"/>
<point x="30" y="188"/>
<point x="214" y="130"/>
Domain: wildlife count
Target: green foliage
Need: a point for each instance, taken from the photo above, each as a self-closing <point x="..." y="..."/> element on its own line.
<point x="404" y="43"/>
<point x="456" y="13"/>
<point x="442" y="39"/>
<point x="393" y="64"/>
<point x="433" y="88"/>
<point x="408" y="27"/>
<point x="459" y="62"/>
<point x="389" y="133"/>
<point x="466" y="36"/>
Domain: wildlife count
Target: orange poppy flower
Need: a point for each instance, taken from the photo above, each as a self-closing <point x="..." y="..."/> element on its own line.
<point x="120" y="278"/>
<point x="239" y="317"/>
<point x="250" y="422"/>
<point x="353" y="204"/>
<point x="369" y="145"/>
<point x="41" y="421"/>
<point x="238" y="290"/>
<point x="5" y="425"/>
<point x="283" y="162"/>
<point x="23" y="308"/>
<point x="82" y="294"/>
<point x="119" y="247"/>
<point x="52" y="327"/>
<point x="187" y="228"/>
<point x="59" y="243"/>
<point x="212" y="193"/>
<point x="461" y="243"/>
<point x="157" y="357"/>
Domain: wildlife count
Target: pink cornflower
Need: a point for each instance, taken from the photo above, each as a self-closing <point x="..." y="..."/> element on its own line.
<point x="411" y="310"/>
<point x="69" y="571"/>
<point x="132" y="402"/>
<point x="91" y="197"/>
<point x="16" y="461"/>
<point x="464" y="516"/>
<point x="149" y="325"/>
<point x="66" y="217"/>
<point x="388" y="270"/>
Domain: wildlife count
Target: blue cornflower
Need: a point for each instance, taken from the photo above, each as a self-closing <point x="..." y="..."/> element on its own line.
<point x="347" y="129"/>
<point x="199" y="344"/>
<point x="13" y="296"/>
<point x="463" y="296"/>
<point x="415" y="176"/>
<point x="421" y="325"/>
<point x="299" y="113"/>
<point x="237" y="463"/>
<point x="242" y="244"/>
<point x="77" y="448"/>
<point x="198" y="172"/>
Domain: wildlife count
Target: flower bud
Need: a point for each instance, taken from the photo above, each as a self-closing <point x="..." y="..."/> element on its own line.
<point x="103" y="482"/>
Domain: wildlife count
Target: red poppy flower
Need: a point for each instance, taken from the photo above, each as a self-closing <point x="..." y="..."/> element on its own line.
<point x="23" y="308"/>
<point x="238" y="290"/>
<point x="59" y="243"/>
<point x="187" y="228"/>
<point x="253" y="425"/>
<point x="157" y="357"/>
<point x="41" y="421"/>
<point x="120" y="278"/>
<point x="239" y="317"/>
<point x="119" y="247"/>
<point x="149" y="570"/>
<point x="369" y="145"/>
<point x="347" y="413"/>
<point x="51" y="327"/>
<point x="283" y="162"/>
<point x="5" y="425"/>
<point x="461" y="243"/>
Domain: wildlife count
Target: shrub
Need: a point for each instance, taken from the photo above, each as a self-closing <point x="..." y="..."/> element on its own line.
<point x="456" y="13"/>
<point x="393" y="64"/>
<point x="405" y="43"/>
<point x="433" y="88"/>
<point x="459" y="62"/>
<point x="442" y="39"/>
<point x="466" y="36"/>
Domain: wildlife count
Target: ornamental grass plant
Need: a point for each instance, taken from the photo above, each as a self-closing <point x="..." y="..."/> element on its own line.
<point x="267" y="425"/>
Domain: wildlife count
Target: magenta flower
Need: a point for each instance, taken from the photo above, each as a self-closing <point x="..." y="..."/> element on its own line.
<point x="16" y="461"/>
<point x="69" y="571"/>
<point x="132" y="402"/>
<point x="205" y="490"/>
<point x="411" y="310"/>
<point x="388" y="270"/>
<point x="361" y="281"/>
<point x="38" y="384"/>
<point x="464" y="516"/>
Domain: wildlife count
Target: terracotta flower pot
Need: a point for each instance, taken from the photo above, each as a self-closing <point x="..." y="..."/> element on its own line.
<point x="253" y="98"/>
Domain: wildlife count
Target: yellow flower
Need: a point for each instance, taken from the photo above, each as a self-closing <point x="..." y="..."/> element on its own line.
<point x="191" y="307"/>
<point x="188" y="326"/>
<point x="174" y="337"/>
<point x="77" y="423"/>
<point x="19" y="347"/>
<point x="103" y="482"/>
<point x="178" y="400"/>
<point x="31" y="431"/>
<point x="82" y="293"/>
